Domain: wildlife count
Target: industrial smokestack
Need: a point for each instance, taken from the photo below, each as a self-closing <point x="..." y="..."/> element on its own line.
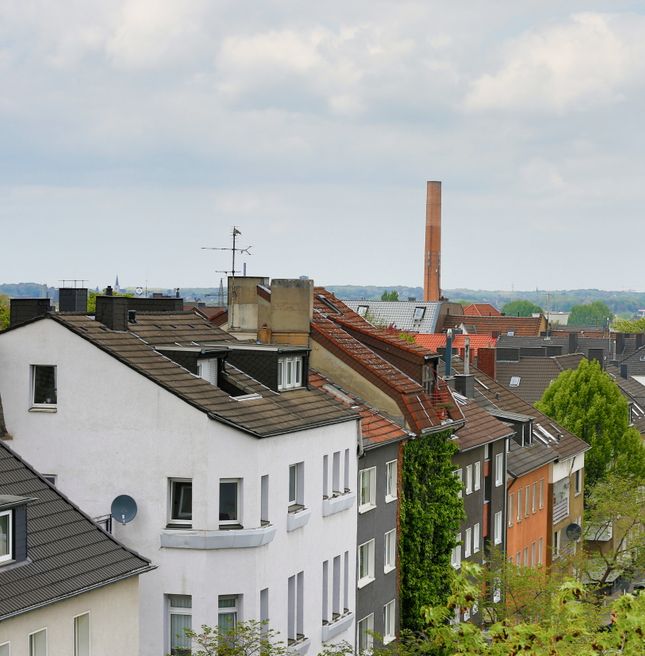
<point x="432" y="259"/>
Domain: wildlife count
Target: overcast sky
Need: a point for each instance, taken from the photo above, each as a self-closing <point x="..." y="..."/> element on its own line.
<point x="133" y="132"/>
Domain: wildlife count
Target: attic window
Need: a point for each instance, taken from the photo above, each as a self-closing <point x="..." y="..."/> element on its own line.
<point x="43" y="386"/>
<point x="6" y="537"/>
<point x="515" y="381"/>
<point x="511" y="333"/>
<point x="419" y="313"/>
<point x="362" y="310"/>
<point x="289" y="373"/>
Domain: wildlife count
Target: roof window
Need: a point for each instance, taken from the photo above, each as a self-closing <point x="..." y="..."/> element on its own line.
<point x="362" y="310"/>
<point x="511" y="333"/>
<point x="419" y="313"/>
<point x="515" y="381"/>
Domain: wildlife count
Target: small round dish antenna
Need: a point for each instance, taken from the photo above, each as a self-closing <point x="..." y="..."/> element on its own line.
<point x="124" y="509"/>
<point x="574" y="531"/>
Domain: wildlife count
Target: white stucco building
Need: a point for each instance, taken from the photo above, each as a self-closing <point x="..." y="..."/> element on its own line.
<point x="228" y="474"/>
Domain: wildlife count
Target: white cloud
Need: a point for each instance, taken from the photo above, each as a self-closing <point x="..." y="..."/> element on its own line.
<point x="589" y="60"/>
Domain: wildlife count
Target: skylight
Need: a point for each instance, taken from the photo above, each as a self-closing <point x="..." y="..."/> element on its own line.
<point x="515" y="381"/>
<point x="362" y="310"/>
<point x="419" y="313"/>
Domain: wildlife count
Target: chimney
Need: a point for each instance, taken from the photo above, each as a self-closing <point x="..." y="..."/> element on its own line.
<point x="112" y="312"/>
<point x="72" y="299"/>
<point x="465" y="385"/>
<point x="573" y="342"/>
<point x="623" y="370"/>
<point x="486" y="361"/>
<point x="640" y="340"/>
<point x="597" y="354"/>
<point x="22" y="310"/>
<point x="620" y="343"/>
<point x="432" y="256"/>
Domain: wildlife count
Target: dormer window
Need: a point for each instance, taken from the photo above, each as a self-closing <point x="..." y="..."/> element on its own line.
<point x="289" y="372"/>
<point x="207" y="368"/>
<point x="6" y="535"/>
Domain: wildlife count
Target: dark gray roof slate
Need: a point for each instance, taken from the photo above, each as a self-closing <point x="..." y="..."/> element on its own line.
<point x="68" y="554"/>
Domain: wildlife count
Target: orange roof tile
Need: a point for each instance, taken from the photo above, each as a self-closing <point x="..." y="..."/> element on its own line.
<point x="482" y="310"/>
<point x="438" y="340"/>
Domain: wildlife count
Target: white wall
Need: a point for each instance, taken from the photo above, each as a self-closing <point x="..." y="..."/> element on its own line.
<point x="114" y="626"/>
<point x="564" y="468"/>
<point x="115" y="432"/>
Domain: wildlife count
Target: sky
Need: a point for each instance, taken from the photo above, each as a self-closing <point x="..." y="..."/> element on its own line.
<point x="135" y="132"/>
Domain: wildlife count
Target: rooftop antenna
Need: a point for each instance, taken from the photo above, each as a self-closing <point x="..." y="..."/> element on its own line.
<point x="234" y="250"/>
<point x="69" y="282"/>
<point x="220" y="294"/>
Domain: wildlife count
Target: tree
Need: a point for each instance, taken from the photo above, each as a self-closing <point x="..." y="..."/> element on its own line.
<point x="91" y="300"/>
<point x="390" y="296"/>
<point x="431" y="513"/>
<point x="521" y="308"/>
<point x="4" y="311"/>
<point x="590" y="314"/>
<point x="587" y="402"/>
<point x="629" y="326"/>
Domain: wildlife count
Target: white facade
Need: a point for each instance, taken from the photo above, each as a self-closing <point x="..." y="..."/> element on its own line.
<point x="115" y="432"/>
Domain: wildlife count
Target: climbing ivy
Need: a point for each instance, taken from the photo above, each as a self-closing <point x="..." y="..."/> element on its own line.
<point x="431" y="514"/>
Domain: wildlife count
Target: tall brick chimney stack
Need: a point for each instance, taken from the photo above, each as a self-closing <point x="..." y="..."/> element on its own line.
<point x="432" y="258"/>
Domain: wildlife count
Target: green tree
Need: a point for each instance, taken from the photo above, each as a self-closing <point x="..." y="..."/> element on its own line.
<point x="91" y="299"/>
<point x="587" y="402"/>
<point x="390" y="296"/>
<point x="590" y="314"/>
<point x="4" y="311"/>
<point x="629" y="325"/>
<point x="431" y="513"/>
<point x="521" y="308"/>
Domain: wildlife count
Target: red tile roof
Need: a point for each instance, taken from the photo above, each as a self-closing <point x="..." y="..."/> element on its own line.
<point x="438" y="340"/>
<point x="502" y="325"/>
<point x="482" y="310"/>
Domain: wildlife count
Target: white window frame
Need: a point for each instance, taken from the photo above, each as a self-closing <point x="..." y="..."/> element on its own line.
<point x="296" y="499"/>
<point x="176" y="521"/>
<point x="32" y="400"/>
<point x="389" y="622"/>
<point x="469" y="479"/>
<point x="577" y="486"/>
<point x="229" y="610"/>
<point x="499" y="469"/>
<point x="527" y="500"/>
<point x="509" y="509"/>
<point x="177" y="610"/>
<point x="477" y="480"/>
<point x="9" y="555"/>
<point x="476" y="538"/>
<point x="238" y="502"/>
<point x="391" y="481"/>
<point x="291" y="364"/>
<point x="518" y="514"/>
<point x="540" y="548"/>
<point x="459" y="474"/>
<point x="366" y="552"/>
<point x="30" y="645"/>
<point x="455" y="554"/>
<point x="468" y="542"/>
<point x="389" y="556"/>
<point x="77" y="652"/>
<point x="533" y="499"/>
<point x="8" y="645"/>
<point x="498" y="527"/>
<point x="368" y="645"/>
<point x="541" y="489"/>
<point x="367" y="504"/>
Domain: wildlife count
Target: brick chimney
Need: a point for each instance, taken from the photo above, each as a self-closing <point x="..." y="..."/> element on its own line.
<point x="486" y="358"/>
<point x="432" y="255"/>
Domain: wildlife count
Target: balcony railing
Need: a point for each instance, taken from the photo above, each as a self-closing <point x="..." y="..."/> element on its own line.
<point x="560" y="510"/>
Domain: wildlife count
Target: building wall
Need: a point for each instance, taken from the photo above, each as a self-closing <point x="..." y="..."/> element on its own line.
<point x="115" y="432"/>
<point x="114" y="622"/>
<point x="527" y="533"/>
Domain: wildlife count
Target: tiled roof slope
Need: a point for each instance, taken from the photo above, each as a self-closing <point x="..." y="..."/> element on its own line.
<point x="524" y="459"/>
<point x="480" y="428"/>
<point x="527" y="326"/>
<point x="535" y="374"/>
<point x="482" y="310"/>
<point x="273" y="414"/>
<point x="401" y="314"/>
<point x="635" y="362"/>
<point x="376" y="428"/>
<point x="68" y="553"/>
<point x="438" y="340"/>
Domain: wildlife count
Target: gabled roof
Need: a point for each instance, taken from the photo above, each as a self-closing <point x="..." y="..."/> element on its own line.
<point x="481" y="310"/>
<point x="68" y="554"/>
<point x="272" y="414"/>
<point x="376" y="428"/>
<point x="401" y="314"/>
<point x="480" y="428"/>
<point x="500" y="325"/>
<point x="438" y="340"/>
<point x="635" y="362"/>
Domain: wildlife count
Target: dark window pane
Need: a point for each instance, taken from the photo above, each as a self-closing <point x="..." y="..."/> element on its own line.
<point x="228" y="501"/>
<point x="182" y="500"/>
<point x="45" y="385"/>
<point x="292" y="484"/>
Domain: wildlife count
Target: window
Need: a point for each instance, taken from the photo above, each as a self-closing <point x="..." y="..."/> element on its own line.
<point x="527" y="492"/>
<point x="264" y="499"/>
<point x="499" y="469"/>
<point x="295" y="607"/>
<point x="498" y="527"/>
<point x="419" y="313"/>
<point x="526" y="556"/>
<point x="389" y="618"/>
<point x="229" y="510"/>
<point x="364" y="630"/>
<point x="390" y="551"/>
<point x="335" y="478"/>
<point x="5" y="649"/>
<point x="264" y="609"/>
<point x="43" y="386"/>
<point x="518" y="516"/>
<point x="515" y="381"/>
<point x="477" y="481"/>
<point x="578" y="484"/>
<point x="390" y="481"/>
<point x="346" y="580"/>
<point x="207" y="369"/>
<point x="518" y="558"/>
<point x="539" y="551"/>
<point x="181" y="501"/>
<point x="455" y="556"/>
<point x="367" y="499"/>
<point x="179" y="618"/>
<point x="296" y="486"/>
<point x="289" y="372"/>
<point x="362" y="310"/>
<point x="541" y="489"/>
<point x="50" y="478"/>
<point x="227" y="612"/>
<point x="533" y="561"/>
<point x="82" y="635"/>
<point x="366" y="563"/>
<point x="556" y="544"/>
<point x="534" y="497"/>
<point x="469" y="534"/>
<point x="6" y="537"/>
<point x="458" y="474"/>
<point x="38" y="643"/>
<point x="325" y="591"/>
<point x="469" y="479"/>
<point x="335" y="594"/>
<point x="476" y="538"/>
<point x="325" y="489"/>
<point x="509" y="511"/>
<point x="346" y="471"/>
<point x="486" y="451"/>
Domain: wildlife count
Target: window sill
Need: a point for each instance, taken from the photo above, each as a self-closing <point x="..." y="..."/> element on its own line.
<point x="296" y="520"/>
<point x="388" y="568"/>
<point x="388" y="639"/>
<point x="173" y="526"/>
<point x="241" y="538"/>
<point x="299" y="646"/>
<point x="366" y="508"/>
<point x="389" y="499"/>
<point x="338" y="503"/>
<point x="295" y="508"/>
<point x="43" y="408"/>
<point x="338" y="626"/>
<point x="365" y="581"/>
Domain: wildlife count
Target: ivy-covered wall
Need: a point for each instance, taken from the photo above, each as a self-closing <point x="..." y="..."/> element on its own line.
<point x="431" y="515"/>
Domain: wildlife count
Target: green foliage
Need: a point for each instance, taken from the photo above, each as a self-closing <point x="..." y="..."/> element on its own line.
<point x="4" y="312"/>
<point x="591" y="314"/>
<point x="390" y="296"/>
<point x="431" y="512"/>
<point x="91" y="299"/>
<point x="588" y="403"/>
<point x="629" y="326"/>
<point x="521" y="308"/>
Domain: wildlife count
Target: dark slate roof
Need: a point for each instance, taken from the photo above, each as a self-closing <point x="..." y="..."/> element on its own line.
<point x="272" y="414"/>
<point x="524" y="459"/>
<point x="635" y="362"/>
<point x="500" y="325"/>
<point x="68" y="554"/>
<point x="480" y="428"/>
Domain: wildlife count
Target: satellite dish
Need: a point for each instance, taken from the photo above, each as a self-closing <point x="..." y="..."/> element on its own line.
<point x="124" y="508"/>
<point x="138" y="291"/>
<point x="574" y="531"/>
